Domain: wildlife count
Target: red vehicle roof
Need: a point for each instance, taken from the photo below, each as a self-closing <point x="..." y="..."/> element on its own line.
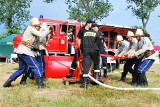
<point x="157" y="48"/>
<point x="49" y="21"/>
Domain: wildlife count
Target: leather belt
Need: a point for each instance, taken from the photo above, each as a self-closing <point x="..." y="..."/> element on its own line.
<point x="149" y="53"/>
<point x="27" y="44"/>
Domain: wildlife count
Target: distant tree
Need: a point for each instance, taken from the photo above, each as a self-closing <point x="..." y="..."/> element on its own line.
<point x="48" y="1"/>
<point x="94" y="9"/>
<point x="82" y="9"/>
<point x="14" y="13"/>
<point x="142" y="9"/>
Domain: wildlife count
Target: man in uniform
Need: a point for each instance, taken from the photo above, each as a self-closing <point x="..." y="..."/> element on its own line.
<point x="41" y="45"/>
<point x="86" y="27"/>
<point x="90" y="53"/>
<point x="124" y="46"/>
<point x="146" y="57"/>
<point x="102" y="48"/>
<point x="71" y="38"/>
<point x="26" y="54"/>
<point x="130" y="62"/>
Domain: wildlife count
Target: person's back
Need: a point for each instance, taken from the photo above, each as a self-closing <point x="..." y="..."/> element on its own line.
<point x="77" y="52"/>
<point x="90" y="40"/>
<point x="90" y="53"/>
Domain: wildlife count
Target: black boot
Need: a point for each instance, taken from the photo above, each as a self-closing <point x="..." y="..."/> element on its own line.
<point x="98" y="78"/>
<point x="84" y="83"/>
<point x="70" y="73"/>
<point x="31" y="76"/>
<point x="23" y="80"/>
<point x="8" y="83"/>
<point x="123" y="78"/>
<point x="140" y="80"/>
<point x="105" y="73"/>
<point x="134" y="79"/>
<point x="145" y="82"/>
<point x="39" y="82"/>
<point x="44" y="78"/>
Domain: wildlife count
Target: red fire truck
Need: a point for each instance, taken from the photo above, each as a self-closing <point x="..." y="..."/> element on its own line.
<point x="57" y="63"/>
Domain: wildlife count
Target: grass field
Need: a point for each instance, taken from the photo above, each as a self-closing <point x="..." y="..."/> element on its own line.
<point x="58" y="95"/>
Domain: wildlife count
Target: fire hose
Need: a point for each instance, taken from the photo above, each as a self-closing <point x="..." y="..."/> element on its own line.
<point x="114" y="57"/>
<point x="119" y="88"/>
<point x="108" y="86"/>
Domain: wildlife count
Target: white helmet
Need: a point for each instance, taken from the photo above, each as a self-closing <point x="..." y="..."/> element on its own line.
<point x="34" y="21"/>
<point x="119" y="38"/>
<point x="43" y="26"/>
<point x="130" y="33"/>
<point x="139" y="32"/>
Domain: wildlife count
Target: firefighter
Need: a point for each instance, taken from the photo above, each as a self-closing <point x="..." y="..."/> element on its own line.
<point x="146" y="57"/>
<point x="85" y="28"/>
<point x="70" y="38"/>
<point x="41" y="44"/>
<point x="131" y="61"/>
<point x="102" y="48"/>
<point x="26" y="53"/>
<point x="90" y="53"/>
<point x="124" y="46"/>
<point x="42" y="48"/>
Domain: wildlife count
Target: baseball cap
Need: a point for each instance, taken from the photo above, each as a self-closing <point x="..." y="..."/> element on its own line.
<point x="94" y="25"/>
<point x="90" y="21"/>
<point x="71" y="27"/>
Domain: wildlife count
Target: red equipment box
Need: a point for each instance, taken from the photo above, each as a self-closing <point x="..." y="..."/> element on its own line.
<point x="58" y="66"/>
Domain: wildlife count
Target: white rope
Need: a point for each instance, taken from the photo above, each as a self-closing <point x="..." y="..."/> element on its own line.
<point x="117" y="88"/>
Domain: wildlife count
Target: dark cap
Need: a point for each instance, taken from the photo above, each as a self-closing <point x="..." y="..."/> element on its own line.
<point x="71" y="27"/>
<point x="90" y="21"/>
<point x="94" y="25"/>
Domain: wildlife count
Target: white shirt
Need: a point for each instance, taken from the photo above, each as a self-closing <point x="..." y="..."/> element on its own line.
<point x="143" y="45"/>
<point x="124" y="48"/>
<point x="30" y="35"/>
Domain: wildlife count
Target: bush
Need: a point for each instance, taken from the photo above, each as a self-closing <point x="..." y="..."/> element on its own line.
<point x="9" y="32"/>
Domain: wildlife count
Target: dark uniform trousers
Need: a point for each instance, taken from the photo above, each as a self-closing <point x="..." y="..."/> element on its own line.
<point x="26" y="61"/>
<point x="75" y="59"/>
<point x="40" y="60"/>
<point x="141" y="67"/>
<point x="128" y="68"/>
<point x="88" y="56"/>
<point x="74" y="64"/>
<point x="104" y="59"/>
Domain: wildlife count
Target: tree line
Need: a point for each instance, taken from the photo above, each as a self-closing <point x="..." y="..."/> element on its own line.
<point x="14" y="13"/>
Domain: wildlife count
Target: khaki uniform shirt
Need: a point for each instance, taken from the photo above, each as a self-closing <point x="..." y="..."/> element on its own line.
<point x="30" y="36"/>
<point x="124" y="48"/>
<point x="143" y="45"/>
<point x="43" y="40"/>
<point x="133" y="46"/>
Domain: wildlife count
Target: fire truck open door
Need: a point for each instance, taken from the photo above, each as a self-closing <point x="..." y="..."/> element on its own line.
<point x="63" y="45"/>
<point x="64" y="38"/>
<point x="58" y="43"/>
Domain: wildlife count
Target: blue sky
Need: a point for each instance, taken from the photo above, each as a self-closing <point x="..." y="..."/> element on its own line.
<point x="120" y="16"/>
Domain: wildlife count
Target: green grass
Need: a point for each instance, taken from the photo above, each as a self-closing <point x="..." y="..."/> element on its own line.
<point x="58" y="95"/>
